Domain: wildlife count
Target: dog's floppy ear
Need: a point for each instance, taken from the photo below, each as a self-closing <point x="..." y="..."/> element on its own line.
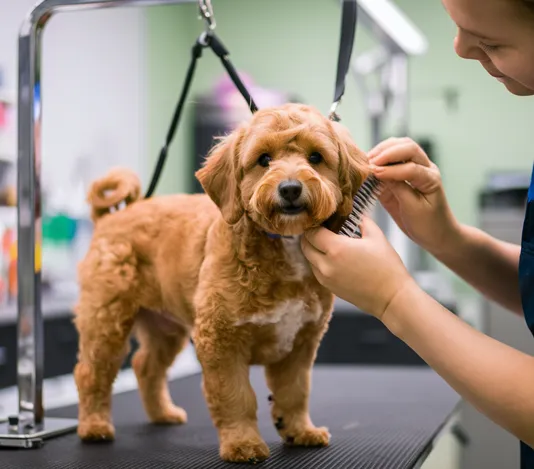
<point x="353" y="168"/>
<point x="220" y="176"/>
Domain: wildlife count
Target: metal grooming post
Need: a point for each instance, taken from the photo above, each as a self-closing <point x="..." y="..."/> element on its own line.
<point x="386" y="66"/>
<point x="28" y="427"/>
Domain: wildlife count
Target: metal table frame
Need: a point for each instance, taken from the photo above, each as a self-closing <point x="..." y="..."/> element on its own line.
<point x="27" y="427"/>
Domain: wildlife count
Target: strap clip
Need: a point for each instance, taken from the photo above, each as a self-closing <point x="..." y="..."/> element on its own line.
<point x="206" y="12"/>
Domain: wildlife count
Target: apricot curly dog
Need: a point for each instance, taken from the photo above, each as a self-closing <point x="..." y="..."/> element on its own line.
<point x="224" y="268"/>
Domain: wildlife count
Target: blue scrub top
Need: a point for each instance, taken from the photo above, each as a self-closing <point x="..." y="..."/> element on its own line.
<point x="526" y="283"/>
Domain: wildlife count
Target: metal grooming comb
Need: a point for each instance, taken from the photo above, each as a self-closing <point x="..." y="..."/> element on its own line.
<point x="363" y="202"/>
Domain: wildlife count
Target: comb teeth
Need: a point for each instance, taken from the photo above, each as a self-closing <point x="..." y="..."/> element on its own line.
<point x="364" y="200"/>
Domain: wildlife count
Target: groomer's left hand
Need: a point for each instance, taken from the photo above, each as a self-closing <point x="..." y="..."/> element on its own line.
<point x="367" y="272"/>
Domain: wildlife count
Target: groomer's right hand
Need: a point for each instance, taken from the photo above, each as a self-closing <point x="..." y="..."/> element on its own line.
<point x="413" y="193"/>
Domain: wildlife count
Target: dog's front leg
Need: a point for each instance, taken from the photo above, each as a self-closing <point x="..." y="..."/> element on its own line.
<point x="229" y="395"/>
<point x="290" y="381"/>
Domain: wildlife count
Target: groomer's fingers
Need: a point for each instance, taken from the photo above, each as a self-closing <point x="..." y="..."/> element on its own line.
<point x="384" y="145"/>
<point x="401" y="152"/>
<point x="314" y="256"/>
<point x="424" y="179"/>
<point x="320" y="263"/>
<point x="369" y="228"/>
<point x="320" y="238"/>
<point x="318" y="275"/>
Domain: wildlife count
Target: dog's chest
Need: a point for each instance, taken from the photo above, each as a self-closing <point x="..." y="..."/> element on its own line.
<point x="279" y="326"/>
<point x="275" y="328"/>
<point x="295" y="258"/>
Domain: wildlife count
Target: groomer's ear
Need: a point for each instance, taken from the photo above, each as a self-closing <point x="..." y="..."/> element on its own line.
<point x="220" y="176"/>
<point x="353" y="167"/>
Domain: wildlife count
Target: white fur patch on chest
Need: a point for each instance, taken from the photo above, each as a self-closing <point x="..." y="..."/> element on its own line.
<point x="288" y="318"/>
<point x="296" y="259"/>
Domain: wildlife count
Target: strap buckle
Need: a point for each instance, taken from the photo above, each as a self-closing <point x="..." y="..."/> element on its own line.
<point x="349" y="19"/>
<point x="333" y="115"/>
<point x="206" y="12"/>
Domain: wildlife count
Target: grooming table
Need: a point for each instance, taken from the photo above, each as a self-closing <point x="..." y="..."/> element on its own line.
<point x="379" y="417"/>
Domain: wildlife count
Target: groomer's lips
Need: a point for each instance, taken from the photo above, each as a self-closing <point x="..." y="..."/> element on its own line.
<point x="511" y="85"/>
<point x="494" y="73"/>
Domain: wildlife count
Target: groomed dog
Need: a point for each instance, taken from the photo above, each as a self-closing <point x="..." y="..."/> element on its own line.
<point x="224" y="268"/>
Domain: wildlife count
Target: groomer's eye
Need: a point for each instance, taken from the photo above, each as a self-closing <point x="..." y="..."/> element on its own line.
<point x="488" y="47"/>
<point x="264" y="160"/>
<point x="315" y="158"/>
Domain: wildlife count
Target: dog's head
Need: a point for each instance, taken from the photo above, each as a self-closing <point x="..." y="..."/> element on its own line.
<point x="288" y="169"/>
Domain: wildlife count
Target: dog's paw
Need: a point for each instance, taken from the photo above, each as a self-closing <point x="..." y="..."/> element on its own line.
<point x="95" y="430"/>
<point x="309" y="437"/>
<point x="172" y="415"/>
<point x="248" y="451"/>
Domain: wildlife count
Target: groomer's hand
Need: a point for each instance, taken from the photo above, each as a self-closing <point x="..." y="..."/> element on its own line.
<point x="413" y="193"/>
<point x="366" y="272"/>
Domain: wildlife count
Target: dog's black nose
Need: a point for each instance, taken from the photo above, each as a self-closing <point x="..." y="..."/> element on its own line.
<point x="290" y="190"/>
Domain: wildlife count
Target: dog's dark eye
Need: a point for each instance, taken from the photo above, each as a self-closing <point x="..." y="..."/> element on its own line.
<point x="264" y="160"/>
<point x="315" y="158"/>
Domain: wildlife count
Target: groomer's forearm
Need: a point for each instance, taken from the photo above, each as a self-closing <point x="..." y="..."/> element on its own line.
<point x="488" y="264"/>
<point x="495" y="378"/>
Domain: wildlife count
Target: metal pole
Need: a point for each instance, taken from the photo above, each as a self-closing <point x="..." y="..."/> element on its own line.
<point x="388" y="97"/>
<point x="28" y="427"/>
<point x="411" y="253"/>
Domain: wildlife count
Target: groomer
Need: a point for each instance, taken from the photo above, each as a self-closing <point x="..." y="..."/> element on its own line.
<point x="495" y="378"/>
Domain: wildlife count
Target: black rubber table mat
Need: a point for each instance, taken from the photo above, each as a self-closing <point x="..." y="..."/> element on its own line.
<point x="378" y="417"/>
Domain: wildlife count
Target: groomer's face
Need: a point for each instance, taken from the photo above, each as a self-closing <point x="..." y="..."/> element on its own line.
<point x="500" y="35"/>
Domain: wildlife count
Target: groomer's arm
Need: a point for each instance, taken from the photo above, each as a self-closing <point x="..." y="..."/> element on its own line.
<point x="367" y="272"/>
<point x="488" y="264"/>
<point x="493" y="377"/>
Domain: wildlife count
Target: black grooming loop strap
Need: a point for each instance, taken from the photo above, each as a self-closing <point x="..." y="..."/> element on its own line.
<point x="349" y="19"/>
<point x="207" y="39"/>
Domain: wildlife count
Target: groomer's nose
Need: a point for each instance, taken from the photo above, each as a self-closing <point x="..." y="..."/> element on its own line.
<point x="290" y="190"/>
<point x="467" y="47"/>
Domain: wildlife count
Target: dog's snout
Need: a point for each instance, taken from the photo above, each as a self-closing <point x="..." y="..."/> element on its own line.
<point x="290" y="190"/>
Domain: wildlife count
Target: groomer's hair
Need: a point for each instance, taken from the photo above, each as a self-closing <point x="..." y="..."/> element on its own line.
<point x="527" y="3"/>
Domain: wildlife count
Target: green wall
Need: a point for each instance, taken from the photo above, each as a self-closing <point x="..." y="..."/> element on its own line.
<point x="292" y="45"/>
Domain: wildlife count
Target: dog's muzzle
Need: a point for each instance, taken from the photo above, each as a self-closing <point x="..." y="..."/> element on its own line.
<point x="290" y="193"/>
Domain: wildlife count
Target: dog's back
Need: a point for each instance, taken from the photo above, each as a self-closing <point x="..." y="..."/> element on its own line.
<point x="142" y="246"/>
<point x="118" y="210"/>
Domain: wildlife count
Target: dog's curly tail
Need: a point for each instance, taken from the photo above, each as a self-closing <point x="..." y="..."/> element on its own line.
<point x="107" y="194"/>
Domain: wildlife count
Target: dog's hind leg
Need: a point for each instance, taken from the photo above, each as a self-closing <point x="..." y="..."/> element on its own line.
<point x="104" y="317"/>
<point x="103" y="344"/>
<point x="160" y="342"/>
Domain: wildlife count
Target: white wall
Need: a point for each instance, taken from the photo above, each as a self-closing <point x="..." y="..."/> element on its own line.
<point x="93" y="88"/>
